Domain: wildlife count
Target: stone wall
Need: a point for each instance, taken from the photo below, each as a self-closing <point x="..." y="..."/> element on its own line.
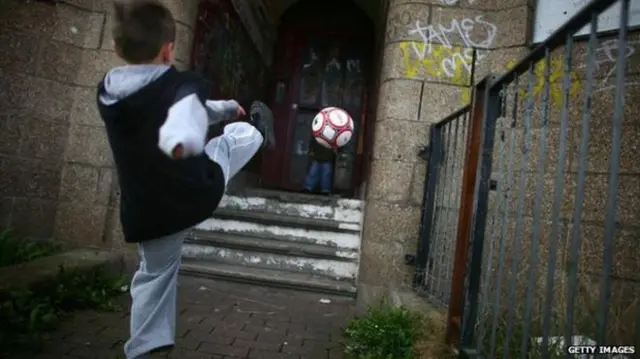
<point x="56" y="172"/>
<point x="425" y="74"/>
<point x="420" y="85"/>
<point x="538" y="170"/>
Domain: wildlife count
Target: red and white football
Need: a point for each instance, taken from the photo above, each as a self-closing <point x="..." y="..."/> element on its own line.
<point x="333" y="127"/>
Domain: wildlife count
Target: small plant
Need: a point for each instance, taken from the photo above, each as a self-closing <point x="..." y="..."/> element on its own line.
<point x="27" y="315"/>
<point x="385" y="332"/>
<point x="14" y="250"/>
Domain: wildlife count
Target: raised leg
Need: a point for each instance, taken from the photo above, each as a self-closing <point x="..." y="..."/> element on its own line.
<point x="232" y="150"/>
<point x="240" y="141"/>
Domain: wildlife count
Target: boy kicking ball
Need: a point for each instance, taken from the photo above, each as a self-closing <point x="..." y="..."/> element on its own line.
<point x="170" y="178"/>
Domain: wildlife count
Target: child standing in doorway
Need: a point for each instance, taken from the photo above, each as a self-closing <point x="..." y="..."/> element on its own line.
<point x="170" y="177"/>
<point x="321" y="169"/>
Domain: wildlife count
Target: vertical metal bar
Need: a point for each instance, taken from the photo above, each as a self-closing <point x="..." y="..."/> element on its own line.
<point x="437" y="240"/>
<point x="439" y="271"/>
<point x="452" y="195"/>
<point x="557" y="200"/>
<point x="535" y="233"/>
<point x="482" y="303"/>
<point x="436" y="237"/>
<point x="458" y="191"/>
<point x="474" y="59"/>
<point x="428" y="201"/>
<point x="466" y="130"/>
<point x="574" y="247"/>
<point x="465" y="218"/>
<point x="483" y="186"/>
<point x="494" y="228"/>
<point x="503" y="221"/>
<point x="522" y="185"/>
<point x="610" y="220"/>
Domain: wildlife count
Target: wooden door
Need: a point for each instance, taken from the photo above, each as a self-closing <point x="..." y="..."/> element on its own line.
<point x="321" y="69"/>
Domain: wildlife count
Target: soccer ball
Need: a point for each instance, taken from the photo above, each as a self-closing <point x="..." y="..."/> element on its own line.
<point x="332" y="127"/>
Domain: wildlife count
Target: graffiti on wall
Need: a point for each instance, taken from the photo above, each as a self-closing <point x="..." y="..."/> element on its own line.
<point x="604" y="73"/>
<point x="605" y="59"/>
<point x="445" y="52"/>
<point x="555" y="72"/>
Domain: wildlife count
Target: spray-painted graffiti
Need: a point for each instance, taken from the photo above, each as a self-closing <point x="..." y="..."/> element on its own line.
<point x="463" y="29"/>
<point x="606" y="55"/>
<point x="443" y="63"/>
<point x="604" y="73"/>
<point x="555" y="73"/>
<point x="445" y="53"/>
<point x="436" y="55"/>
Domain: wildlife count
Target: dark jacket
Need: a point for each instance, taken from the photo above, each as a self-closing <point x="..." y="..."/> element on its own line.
<point x="159" y="195"/>
<point x="320" y="153"/>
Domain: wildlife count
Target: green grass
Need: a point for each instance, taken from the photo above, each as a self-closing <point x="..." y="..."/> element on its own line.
<point x="28" y="315"/>
<point x="19" y="250"/>
<point x="385" y="332"/>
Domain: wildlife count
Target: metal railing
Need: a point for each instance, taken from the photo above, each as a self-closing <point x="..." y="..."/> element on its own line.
<point x="544" y="250"/>
<point x="445" y="156"/>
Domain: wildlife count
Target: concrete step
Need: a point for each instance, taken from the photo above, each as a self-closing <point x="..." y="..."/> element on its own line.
<point x="281" y="239"/>
<point x="285" y="228"/>
<point x="269" y="244"/>
<point x="284" y="220"/>
<point x="271" y="254"/>
<point x="297" y="197"/>
<point x="267" y="277"/>
<point x="297" y="205"/>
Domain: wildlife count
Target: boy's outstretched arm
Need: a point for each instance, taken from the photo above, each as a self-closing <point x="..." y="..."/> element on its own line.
<point x="223" y="110"/>
<point x="184" y="132"/>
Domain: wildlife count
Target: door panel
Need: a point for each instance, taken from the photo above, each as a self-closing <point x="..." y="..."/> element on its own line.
<point x="281" y="90"/>
<point x="332" y="79"/>
<point x="310" y="75"/>
<point x="298" y="159"/>
<point x="352" y="96"/>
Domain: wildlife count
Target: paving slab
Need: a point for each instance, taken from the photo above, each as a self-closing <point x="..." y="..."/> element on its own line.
<point x="218" y="320"/>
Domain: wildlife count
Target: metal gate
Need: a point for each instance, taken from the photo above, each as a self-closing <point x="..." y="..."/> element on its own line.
<point x="531" y="230"/>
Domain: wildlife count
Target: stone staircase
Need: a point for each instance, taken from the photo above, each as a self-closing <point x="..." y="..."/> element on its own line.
<point x="279" y="239"/>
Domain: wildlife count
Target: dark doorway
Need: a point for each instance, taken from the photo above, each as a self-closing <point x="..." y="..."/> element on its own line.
<point x="322" y="59"/>
<point x="225" y="54"/>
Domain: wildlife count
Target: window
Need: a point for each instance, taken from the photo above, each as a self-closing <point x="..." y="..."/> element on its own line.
<point x="551" y="14"/>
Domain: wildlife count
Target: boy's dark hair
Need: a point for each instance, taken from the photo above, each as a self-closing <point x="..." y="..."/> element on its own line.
<point x="141" y="28"/>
